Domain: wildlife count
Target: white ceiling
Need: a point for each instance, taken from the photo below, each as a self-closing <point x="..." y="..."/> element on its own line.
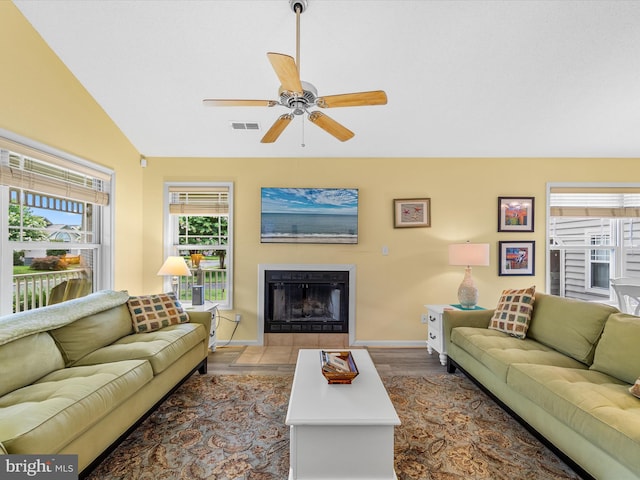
<point x="553" y="78"/>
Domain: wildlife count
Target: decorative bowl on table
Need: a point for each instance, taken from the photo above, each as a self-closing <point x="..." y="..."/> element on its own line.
<point x="338" y="366"/>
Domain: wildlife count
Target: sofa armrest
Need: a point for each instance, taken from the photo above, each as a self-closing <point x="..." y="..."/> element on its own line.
<point x="464" y="318"/>
<point x="203" y="318"/>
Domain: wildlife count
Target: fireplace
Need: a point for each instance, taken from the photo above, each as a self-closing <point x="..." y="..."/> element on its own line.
<point x="301" y="301"/>
<point x="306" y="298"/>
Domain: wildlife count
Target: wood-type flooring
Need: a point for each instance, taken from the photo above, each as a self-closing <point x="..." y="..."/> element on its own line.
<point x="388" y="361"/>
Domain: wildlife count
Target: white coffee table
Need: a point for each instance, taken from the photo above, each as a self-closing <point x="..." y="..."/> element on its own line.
<point x="340" y="431"/>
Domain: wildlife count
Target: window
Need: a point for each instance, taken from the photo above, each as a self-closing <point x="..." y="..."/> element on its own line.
<point x="200" y="229"/>
<point x="599" y="263"/>
<point x="582" y="217"/>
<point x="56" y="220"/>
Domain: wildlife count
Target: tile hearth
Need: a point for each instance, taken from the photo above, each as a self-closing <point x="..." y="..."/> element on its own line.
<point x="282" y="348"/>
<point x="307" y="340"/>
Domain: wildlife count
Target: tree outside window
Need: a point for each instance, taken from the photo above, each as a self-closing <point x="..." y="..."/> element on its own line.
<point x="24" y="225"/>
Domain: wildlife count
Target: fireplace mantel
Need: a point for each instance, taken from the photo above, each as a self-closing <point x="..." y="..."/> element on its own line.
<point x="307" y="267"/>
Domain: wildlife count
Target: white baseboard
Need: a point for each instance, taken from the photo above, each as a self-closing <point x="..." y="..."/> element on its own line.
<point x="237" y="343"/>
<point x="357" y="343"/>
<point x="390" y="343"/>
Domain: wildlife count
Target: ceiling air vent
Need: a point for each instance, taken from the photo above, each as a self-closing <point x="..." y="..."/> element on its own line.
<point x="245" y="126"/>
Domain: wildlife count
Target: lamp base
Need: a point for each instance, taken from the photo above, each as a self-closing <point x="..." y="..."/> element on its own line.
<point x="467" y="291"/>
<point x="175" y="286"/>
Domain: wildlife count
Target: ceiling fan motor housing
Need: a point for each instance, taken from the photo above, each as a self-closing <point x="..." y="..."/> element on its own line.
<point x="299" y="103"/>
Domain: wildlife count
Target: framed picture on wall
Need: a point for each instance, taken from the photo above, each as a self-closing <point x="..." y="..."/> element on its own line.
<point x="515" y="214"/>
<point x="516" y="258"/>
<point x="412" y="212"/>
<point x="309" y="215"/>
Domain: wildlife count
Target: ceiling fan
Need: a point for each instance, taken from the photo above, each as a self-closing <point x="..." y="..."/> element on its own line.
<point x="299" y="97"/>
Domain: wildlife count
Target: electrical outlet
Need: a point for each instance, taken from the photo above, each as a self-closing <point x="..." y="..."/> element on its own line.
<point x="424" y="318"/>
<point x="238" y="317"/>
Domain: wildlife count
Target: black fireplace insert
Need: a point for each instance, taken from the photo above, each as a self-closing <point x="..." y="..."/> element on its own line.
<point x="306" y="301"/>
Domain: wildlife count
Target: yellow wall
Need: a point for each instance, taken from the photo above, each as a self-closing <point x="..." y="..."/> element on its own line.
<point x="41" y="100"/>
<point x="391" y="290"/>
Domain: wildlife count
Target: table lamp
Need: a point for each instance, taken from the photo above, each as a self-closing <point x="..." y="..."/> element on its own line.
<point x="176" y="267"/>
<point x="468" y="255"/>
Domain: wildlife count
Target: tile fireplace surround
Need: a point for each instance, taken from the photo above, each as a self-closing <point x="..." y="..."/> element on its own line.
<point x="306" y="339"/>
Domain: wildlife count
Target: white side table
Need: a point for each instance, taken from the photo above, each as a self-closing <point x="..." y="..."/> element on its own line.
<point x="207" y="307"/>
<point x="435" y="330"/>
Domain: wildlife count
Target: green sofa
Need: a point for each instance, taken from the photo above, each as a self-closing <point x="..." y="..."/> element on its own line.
<point x="76" y="379"/>
<point x="568" y="380"/>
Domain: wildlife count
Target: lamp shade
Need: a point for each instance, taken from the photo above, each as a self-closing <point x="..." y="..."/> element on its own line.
<point x="469" y="254"/>
<point x="174" y="266"/>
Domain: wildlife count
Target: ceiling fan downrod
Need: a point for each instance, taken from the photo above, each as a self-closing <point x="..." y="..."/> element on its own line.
<point x="298" y="6"/>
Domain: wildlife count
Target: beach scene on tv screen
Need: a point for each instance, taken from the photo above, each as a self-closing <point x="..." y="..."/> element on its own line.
<point x="309" y="215"/>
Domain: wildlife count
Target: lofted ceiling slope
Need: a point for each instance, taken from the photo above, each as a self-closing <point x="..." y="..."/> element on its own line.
<point x="528" y="78"/>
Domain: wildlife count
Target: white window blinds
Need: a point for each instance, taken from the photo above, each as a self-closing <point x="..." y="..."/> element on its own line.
<point x="36" y="171"/>
<point x="606" y="202"/>
<point x="212" y="200"/>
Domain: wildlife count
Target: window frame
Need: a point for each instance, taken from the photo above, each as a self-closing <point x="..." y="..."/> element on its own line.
<point x="170" y="235"/>
<point x="590" y="261"/>
<point x="103" y="245"/>
<point x="618" y="232"/>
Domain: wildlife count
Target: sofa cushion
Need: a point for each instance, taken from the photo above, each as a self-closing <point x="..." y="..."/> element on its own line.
<point x="47" y="415"/>
<point x="498" y="351"/>
<point x="152" y="312"/>
<point x="594" y="404"/>
<point x="567" y="325"/>
<point x="90" y="333"/>
<point x="618" y="351"/>
<point x="513" y="313"/>
<point x="27" y="359"/>
<point x="161" y="347"/>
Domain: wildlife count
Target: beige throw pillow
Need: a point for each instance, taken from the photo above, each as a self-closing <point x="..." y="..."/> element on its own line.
<point x="153" y="312"/>
<point x="513" y="313"/>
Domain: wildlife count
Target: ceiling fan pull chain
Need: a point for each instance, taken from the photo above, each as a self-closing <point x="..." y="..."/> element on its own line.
<point x="303" y="144"/>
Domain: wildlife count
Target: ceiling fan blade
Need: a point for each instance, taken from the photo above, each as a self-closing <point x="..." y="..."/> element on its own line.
<point x="330" y="126"/>
<point x="216" y="102"/>
<point x="376" y="97"/>
<point x="287" y="71"/>
<point x="277" y="128"/>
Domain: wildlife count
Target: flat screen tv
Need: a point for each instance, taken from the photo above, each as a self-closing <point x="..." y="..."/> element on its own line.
<point x="309" y="215"/>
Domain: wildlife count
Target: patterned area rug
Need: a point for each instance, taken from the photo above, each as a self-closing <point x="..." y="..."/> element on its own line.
<point x="232" y="427"/>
